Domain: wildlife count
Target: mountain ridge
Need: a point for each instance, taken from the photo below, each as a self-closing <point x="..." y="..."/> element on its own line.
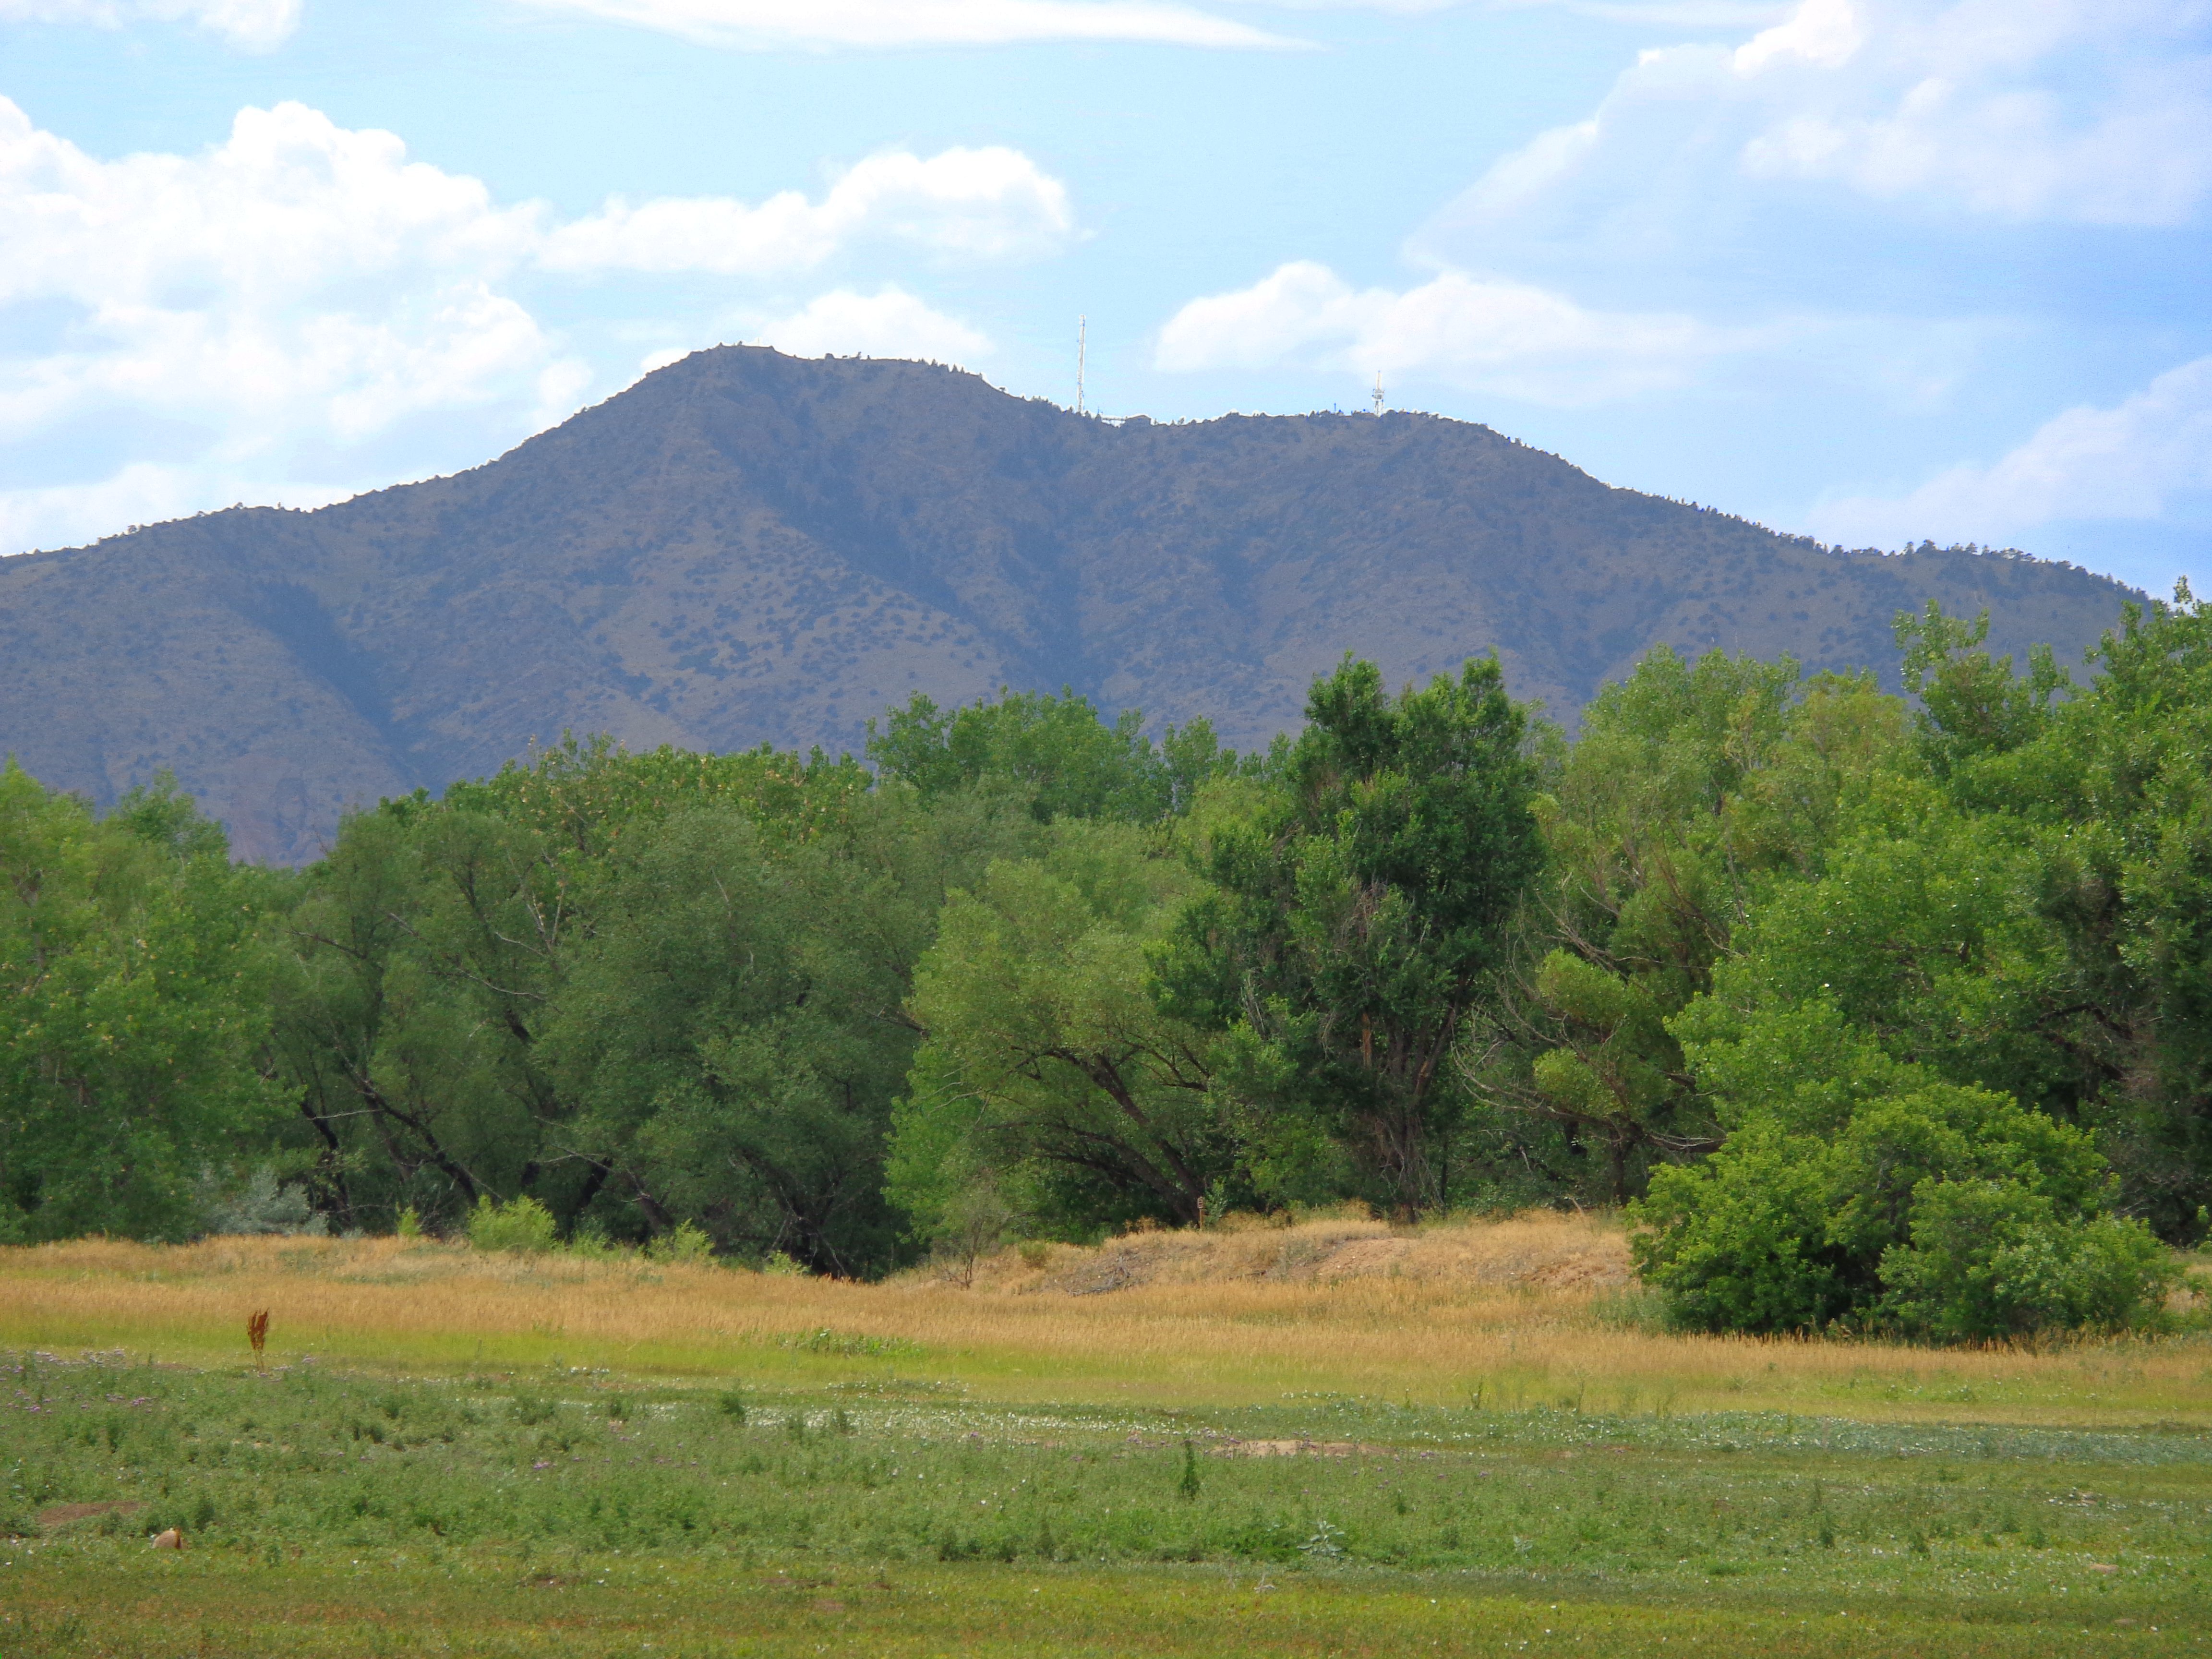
<point x="745" y="547"/>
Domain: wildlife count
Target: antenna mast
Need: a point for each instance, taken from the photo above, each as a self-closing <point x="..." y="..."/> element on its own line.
<point x="1081" y="337"/>
<point x="1378" y="391"/>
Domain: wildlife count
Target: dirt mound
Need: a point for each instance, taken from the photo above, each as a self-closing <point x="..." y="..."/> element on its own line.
<point x="1540" y="1250"/>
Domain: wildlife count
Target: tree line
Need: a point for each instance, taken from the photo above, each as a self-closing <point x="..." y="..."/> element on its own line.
<point x="1876" y="1012"/>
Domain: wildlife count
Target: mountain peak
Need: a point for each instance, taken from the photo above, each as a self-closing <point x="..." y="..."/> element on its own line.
<point x="747" y="547"/>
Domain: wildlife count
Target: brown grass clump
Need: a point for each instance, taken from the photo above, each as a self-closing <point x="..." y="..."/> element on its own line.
<point x="1537" y="1310"/>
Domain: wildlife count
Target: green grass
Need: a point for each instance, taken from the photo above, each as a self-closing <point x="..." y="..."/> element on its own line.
<point x="579" y="1512"/>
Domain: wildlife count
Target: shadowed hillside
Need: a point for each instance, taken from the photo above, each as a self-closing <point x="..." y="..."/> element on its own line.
<point x="747" y="547"/>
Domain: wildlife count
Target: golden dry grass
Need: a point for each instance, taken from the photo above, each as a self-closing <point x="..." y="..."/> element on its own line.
<point x="1535" y="1310"/>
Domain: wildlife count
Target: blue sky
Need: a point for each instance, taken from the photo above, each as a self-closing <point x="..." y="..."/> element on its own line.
<point x="1872" y="270"/>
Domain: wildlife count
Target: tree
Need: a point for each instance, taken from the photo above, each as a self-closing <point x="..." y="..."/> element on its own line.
<point x="1359" y="905"/>
<point x="1860" y="1189"/>
<point x="437" y="950"/>
<point x="1693" y="790"/>
<point x="732" y="1042"/>
<point x="1063" y="757"/>
<point x="1972" y="706"/>
<point x="132" y="1014"/>
<point x="1049" y="1073"/>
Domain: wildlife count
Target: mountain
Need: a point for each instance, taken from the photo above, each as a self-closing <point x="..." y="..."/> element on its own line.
<point x="747" y="547"/>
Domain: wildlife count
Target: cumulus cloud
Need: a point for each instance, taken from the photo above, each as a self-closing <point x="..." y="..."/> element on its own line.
<point x="821" y="23"/>
<point x="2082" y="111"/>
<point x="256" y="25"/>
<point x="300" y="290"/>
<point x="296" y="280"/>
<point x="1503" y="336"/>
<point x="296" y="273"/>
<point x="985" y="203"/>
<point x="2129" y="462"/>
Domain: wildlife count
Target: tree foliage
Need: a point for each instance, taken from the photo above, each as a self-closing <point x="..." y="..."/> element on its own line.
<point x="1881" y="1013"/>
<point x="1050" y="1072"/>
<point x="134" y="1014"/>
<point x="1360" y="903"/>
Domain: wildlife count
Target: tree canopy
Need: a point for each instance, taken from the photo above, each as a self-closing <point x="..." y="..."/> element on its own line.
<point x="1881" y="1012"/>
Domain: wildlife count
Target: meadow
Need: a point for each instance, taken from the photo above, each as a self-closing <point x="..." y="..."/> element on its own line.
<point x="1329" y="1438"/>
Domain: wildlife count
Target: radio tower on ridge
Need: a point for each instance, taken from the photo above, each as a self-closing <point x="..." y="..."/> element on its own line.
<point x="1081" y="337"/>
<point x="1378" y="391"/>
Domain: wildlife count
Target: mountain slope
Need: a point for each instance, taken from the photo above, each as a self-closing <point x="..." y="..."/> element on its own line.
<point x="747" y="547"/>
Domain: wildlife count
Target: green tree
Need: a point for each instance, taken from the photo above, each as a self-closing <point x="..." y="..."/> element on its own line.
<point x="1360" y="904"/>
<point x="731" y="1038"/>
<point x="1057" y="750"/>
<point x="432" y="952"/>
<point x="132" y="1014"/>
<point x="1693" y="788"/>
<point x="2100" y="792"/>
<point x="1049" y="1073"/>
<point x="1973" y="705"/>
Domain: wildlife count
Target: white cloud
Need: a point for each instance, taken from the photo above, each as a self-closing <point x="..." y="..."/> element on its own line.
<point x="987" y="204"/>
<point x="879" y="23"/>
<point x="890" y="323"/>
<point x="300" y="290"/>
<point x="297" y="278"/>
<point x="1500" y="336"/>
<point x="2127" y="462"/>
<point x="256" y="25"/>
<point x="2084" y="111"/>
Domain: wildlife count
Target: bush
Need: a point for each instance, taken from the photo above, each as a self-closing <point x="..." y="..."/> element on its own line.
<point x="263" y="1206"/>
<point x="687" y="1246"/>
<point x="1740" y="1242"/>
<point x="1988" y="1259"/>
<point x="588" y="1240"/>
<point x="1944" y="1212"/>
<point x="973" y="1225"/>
<point x="520" y="1223"/>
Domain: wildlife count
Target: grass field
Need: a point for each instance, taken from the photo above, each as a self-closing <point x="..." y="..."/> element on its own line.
<point x="1328" y="1439"/>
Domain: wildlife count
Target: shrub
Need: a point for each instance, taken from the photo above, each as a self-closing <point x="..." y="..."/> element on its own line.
<point x="687" y="1245"/>
<point x="1739" y="1242"/>
<point x="1941" y="1212"/>
<point x="520" y="1223"/>
<point x="263" y="1206"/>
<point x="972" y="1226"/>
<point x="1989" y="1260"/>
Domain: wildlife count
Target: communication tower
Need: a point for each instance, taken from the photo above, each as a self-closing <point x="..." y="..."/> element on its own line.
<point x="1378" y="391"/>
<point x="1081" y="337"/>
